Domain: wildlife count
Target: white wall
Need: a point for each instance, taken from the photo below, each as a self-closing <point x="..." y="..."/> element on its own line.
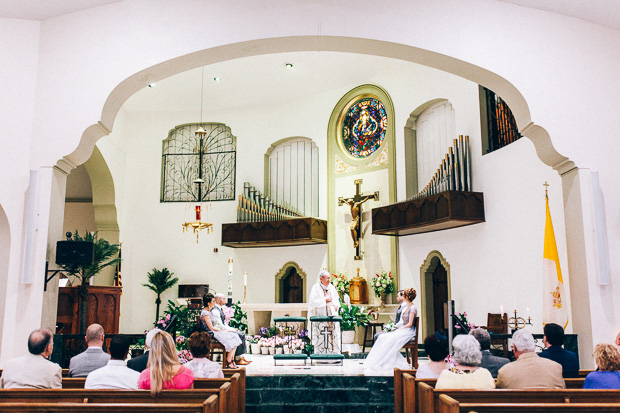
<point x="565" y="69"/>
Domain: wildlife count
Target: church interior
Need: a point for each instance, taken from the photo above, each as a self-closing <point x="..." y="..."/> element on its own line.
<point x="103" y="100"/>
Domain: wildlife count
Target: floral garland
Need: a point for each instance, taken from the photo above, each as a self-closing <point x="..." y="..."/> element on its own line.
<point x="383" y="282"/>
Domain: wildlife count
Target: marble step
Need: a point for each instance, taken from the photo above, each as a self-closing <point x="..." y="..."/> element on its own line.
<point x="303" y="396"/>
<point x="318" y="408"/>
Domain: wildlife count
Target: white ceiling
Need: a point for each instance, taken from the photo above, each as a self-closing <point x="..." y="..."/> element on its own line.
<point x="46" y="9"/>
<point x="603" y="12"/>
<point x="264" y="80"/>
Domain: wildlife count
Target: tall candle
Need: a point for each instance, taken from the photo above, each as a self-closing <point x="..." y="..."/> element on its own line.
<point x="501" y="309"/>
<point x="230" y="274"/>
<point x="197" y="212"/>
<point x="245" y="278"/>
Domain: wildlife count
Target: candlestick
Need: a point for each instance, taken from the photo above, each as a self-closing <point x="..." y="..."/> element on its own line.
<point x="245" y="278"/>
<point x="501" y="309"/>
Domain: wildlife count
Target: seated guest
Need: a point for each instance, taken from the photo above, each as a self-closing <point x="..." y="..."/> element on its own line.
<point x="437" y="351"/>
<point x="529" y="370"/>
<point x="607" y="360"/>
<point x="34" y="371"/>
<point x="115" y="375"/>
<point x="218" y="311"/>
<point x="139" y="363"/>
<point x="489" y="361"/>
<point x="467" y="374"/>
<point x="201" y="366"/>
<point x="94" y="357"/>
<point x="164" y="370"/>
<point x="554" y="339"/>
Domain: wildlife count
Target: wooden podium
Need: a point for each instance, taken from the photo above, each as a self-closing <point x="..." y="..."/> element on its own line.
<point x="358" y="290"/>
<point x="103" y="306"/>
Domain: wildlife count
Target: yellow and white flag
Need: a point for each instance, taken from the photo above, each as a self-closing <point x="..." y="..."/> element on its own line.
<point x="554" y="299"/>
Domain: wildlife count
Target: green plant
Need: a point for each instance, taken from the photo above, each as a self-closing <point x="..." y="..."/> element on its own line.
<point x="160" y="281"/>
<point x="383" y="283"/>
<point x="353" y="316"/>
<point x="183" y="323"/>
<point x="106" y="254"/>
<point x="239" y="320"/>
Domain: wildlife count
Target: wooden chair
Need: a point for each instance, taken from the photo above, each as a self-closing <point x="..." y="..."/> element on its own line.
<point x="498" y="324"/>
<point x="411" y="348"/>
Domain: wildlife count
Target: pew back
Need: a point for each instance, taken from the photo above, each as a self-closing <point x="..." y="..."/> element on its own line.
<point x="450" y="405"/>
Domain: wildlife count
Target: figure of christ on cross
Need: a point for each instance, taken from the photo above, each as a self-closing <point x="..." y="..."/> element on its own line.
<point x="355" y="203"/>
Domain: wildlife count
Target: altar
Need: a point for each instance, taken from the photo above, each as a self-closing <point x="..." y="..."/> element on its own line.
<point x="262" y="314"/>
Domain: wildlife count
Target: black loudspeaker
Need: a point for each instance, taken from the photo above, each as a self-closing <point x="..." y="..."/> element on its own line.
<point x="75" y="252"/>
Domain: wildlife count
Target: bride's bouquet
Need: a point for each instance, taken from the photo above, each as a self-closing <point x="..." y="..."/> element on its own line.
<point x="390" y="326"/>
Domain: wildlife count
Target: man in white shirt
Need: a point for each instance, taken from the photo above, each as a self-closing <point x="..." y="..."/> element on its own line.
<point x="34" y="371"/>
<point x="115" y="375"/>
<point x="218" y="310"/>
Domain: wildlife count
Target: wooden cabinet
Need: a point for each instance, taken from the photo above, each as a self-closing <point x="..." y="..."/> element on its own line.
<point x="103" y="305"/>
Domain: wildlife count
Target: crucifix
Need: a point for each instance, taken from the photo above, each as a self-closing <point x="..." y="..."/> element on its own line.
<point x="355" y="203"/>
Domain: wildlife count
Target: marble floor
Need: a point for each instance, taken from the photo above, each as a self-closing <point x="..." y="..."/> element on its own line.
<point x="263" y="366"/>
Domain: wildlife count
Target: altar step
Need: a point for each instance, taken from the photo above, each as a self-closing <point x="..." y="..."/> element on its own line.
<point x="310" y="393"/>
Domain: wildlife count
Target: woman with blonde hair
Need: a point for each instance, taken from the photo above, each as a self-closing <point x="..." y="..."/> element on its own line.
<point x="385" y="353"/>
<point x="164" y="371"/>
<point x="607" y="360"/>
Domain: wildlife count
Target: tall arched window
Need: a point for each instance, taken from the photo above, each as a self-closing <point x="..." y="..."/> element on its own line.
<point x="292" y="174"/>
<point x="186" y="158"/>
<point x="429" y="133"/>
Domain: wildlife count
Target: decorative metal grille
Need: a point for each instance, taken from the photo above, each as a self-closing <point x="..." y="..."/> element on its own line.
<point x="186" y="158"/>
<point x="501" y="125"/>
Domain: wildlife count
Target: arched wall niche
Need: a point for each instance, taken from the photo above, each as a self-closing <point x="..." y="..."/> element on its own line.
<point x="281" y="275"/>
<point x="5" y="244"/>
<point x="430" y="264"/>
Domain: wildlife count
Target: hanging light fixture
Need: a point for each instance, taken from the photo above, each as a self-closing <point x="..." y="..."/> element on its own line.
<point x="200" y="133"/>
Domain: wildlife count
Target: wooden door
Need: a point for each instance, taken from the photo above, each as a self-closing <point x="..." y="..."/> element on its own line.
<point x="292" y="287"/>
<point x="440" y="295"/>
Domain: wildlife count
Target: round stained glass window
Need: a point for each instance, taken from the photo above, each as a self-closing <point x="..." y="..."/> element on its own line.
<point x="363" y="128"/>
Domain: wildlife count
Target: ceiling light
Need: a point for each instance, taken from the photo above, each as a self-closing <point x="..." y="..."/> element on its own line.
<point x="289" y="65"/>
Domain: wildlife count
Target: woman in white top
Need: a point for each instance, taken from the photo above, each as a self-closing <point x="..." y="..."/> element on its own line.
<point x="199" y="345"/>
<point x="385" y="353"/>
<point x="437" y="351"/>
<point x="466" y="374"/>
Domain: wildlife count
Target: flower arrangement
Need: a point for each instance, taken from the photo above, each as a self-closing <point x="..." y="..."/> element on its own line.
<point x="268" y="332"/>
<point x="390" y="326"/>
<point x="303" y="333"/>
<point x="353" y="316"/>
<point x="458" y="328"/>
<point x="163" y="323"/>
<point x="383" y="283"/>
<point x="341" y="284"/>
<point x="253" y="339"/>
<point x="185" y="356"/>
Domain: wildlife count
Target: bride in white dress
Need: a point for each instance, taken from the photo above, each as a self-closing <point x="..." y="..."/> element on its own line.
<point x="385" y="353"/>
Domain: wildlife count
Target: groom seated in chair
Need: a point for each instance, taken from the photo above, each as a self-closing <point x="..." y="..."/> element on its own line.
<point x="218" y="310"/>
<point x="401" y="307"/>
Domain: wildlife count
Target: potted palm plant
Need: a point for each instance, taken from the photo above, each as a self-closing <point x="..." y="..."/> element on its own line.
<point x="160" y="281"/>
<point x="106" y="254"/>
<point x="352" y="317"/>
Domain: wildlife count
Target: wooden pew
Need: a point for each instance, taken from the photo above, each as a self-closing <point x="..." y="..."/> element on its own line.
<point x="206" y="407"/>
<point x="399" y="390"/>
<point x="429" y="397"/>
<point x="235" y="398"/>
<point x="179" y="397"/>
<point x="410" y="388"/>
<point x="450" y="405"/>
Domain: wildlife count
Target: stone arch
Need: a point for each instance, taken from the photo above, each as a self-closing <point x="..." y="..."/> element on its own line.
<point x="430" y="264"/>
<point x="282" y="273"/>
<point x="5" y="248"/>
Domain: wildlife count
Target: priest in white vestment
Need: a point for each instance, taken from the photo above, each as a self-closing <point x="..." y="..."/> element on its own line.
<point x="324" y="301"/>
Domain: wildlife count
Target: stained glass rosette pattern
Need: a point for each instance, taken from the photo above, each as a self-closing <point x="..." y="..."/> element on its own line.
<point x="363" y="128"/>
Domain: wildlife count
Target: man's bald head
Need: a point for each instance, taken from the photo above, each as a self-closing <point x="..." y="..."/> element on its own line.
<point x="39" y="340"/>
<point x="94" y="335"/>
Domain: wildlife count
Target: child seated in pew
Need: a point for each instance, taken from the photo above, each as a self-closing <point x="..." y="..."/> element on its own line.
<point x="164" y="370"/>
<point x="466" y="374"/>
<point x="199" y="345"/>
<point x="607" y="360"/>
